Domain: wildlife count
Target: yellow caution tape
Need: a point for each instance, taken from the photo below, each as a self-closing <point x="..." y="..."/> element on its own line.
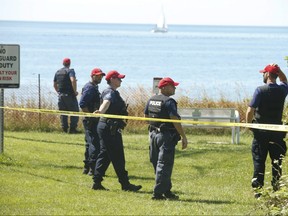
<point x="272" y="127"/>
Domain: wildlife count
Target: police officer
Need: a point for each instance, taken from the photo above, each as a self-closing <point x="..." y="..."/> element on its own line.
<point x="66" y="87"/>
<point x="164" y="136"/>
<point x="89" y="102"/>
<point x="266" y="107"/>
<point x="109" y="132"/>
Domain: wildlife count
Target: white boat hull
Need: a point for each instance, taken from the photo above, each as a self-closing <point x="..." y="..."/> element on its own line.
<point x="159" y="30"/>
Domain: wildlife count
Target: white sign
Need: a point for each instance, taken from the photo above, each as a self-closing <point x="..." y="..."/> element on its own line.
<point x="9" y="66"/>
<point x="155" y="84"/>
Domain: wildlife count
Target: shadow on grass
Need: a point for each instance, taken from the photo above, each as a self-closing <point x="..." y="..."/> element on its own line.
<point x="205" y="201"/>
<point x="41" y="176"/>
<point x="218" y="202"/>
<point x="44" y="141"/>
<point x="141" y="177"/>
<point x="69" y="167"/>
<point x="209" y="148"/>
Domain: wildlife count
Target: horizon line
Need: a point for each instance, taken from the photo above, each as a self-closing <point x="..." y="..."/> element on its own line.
<point x="153" y="24"/>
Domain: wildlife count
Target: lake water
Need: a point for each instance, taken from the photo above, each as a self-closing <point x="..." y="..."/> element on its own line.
<point x="216" y="60"/>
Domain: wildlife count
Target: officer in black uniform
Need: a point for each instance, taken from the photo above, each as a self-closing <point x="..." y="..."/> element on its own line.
<point x="90" y="101"/>
<point x="266" y="107"/>
<point x="164" y="136"/>
<point x="66" y="87"/>
<point x="109" y="132"/>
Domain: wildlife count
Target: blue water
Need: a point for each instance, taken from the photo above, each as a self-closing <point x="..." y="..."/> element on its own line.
<point x="212" y="60"/>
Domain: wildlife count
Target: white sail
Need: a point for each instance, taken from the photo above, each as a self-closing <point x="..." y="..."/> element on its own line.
<point x="161" y="24"/>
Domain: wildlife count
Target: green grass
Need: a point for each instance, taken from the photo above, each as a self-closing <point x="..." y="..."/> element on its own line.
<point x="40" y="174"/>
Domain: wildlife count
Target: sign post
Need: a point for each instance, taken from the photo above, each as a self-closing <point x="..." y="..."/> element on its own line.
<point x="1" y="121"/>
<point x="155" y="84"/>
<point x="9" y="78"/>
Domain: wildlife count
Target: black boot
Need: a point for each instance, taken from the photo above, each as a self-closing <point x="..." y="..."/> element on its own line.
<point x="158" y="197"/>
<point x="171" y="196"/>
<point x="131" y="187"/>
<point x="98" y="186"/>
<point x="74" y="131"/>
<point x="85" y="170"/>
<point x="255" y="183"/>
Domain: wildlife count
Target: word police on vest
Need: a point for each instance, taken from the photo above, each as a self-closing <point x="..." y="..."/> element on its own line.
<point x="155" y="103"/>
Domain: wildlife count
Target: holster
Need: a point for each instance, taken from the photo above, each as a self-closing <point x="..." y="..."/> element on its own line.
<point x="153" y="128"/>
<point x="162" y="128"/>
<point x="113" y="126"/>
<point x="91" y="122"/>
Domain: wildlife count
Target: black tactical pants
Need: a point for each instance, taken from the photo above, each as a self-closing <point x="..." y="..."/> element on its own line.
<point x="111" y="150"/>
<point x="265" y="142"/>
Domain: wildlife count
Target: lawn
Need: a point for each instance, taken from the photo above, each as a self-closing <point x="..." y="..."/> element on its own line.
<point x="41" y="174"/>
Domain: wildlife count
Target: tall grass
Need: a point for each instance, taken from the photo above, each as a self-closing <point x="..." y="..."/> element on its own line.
<point x="136" y="98"/>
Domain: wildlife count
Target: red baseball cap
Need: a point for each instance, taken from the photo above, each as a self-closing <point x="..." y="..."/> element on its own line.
<point x="97" y="71"/>
<point x="167" y="81"/>
<point x="66" y="61"/>
<point x="270" y="69"/>
<point x="114" y="74"/>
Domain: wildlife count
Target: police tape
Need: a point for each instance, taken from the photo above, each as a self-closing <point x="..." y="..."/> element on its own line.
<point x="272" y="127"/>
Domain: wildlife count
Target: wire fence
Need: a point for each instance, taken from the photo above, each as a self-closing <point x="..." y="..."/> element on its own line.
<point x="38" y="94"/>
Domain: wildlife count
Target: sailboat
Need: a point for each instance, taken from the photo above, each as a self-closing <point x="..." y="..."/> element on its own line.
<point x="161" y="24"/>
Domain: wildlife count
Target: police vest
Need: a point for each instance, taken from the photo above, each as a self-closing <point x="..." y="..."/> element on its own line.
<point x="63" y="81"/>
<point x="118" y="106"/>
<point x="270" y="109"/>
<point x="156" y="109"/>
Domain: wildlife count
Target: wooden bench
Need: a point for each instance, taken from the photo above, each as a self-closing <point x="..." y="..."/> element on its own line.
<point x="212" y="115"/>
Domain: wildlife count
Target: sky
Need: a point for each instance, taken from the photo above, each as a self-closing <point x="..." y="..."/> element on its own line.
<point x="184" y="12"/>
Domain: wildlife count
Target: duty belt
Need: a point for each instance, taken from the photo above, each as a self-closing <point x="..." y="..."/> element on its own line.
<point x="161" y="129"/>
<point x="107" y="120"/>
<point x="64" y="94"/>
<point x="103" y="119"/>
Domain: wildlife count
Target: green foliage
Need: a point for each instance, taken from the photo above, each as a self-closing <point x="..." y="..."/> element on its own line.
<point x="275" y="202"/>
<point x="41" y="174"/>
